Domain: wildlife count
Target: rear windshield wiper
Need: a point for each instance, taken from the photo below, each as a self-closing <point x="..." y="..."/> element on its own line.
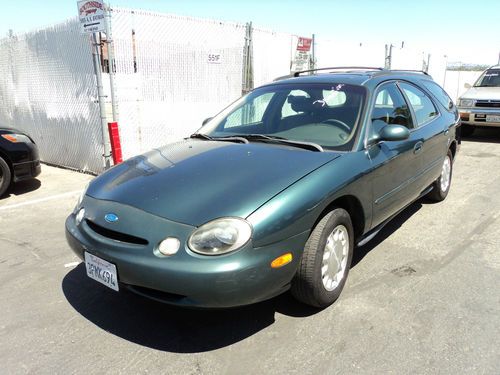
<point x="275" y="139"/>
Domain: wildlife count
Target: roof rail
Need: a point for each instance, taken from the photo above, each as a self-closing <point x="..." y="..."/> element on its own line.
<point x="296" y="74"/>
<point x="410" y="71"/>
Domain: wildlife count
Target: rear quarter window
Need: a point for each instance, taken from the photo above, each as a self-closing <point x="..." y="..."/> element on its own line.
<point x="439" y="93"/>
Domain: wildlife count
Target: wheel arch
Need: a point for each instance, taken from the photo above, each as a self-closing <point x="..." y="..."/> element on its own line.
<point x="453" y="148"/>
<point x="5" y="157"/>
<point x="354" y="208"/>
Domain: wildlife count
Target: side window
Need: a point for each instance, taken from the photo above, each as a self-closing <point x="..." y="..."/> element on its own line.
<point x="422" y="105"/>
<point x="390" y="109"/>
<point x="294" y="95"/>
<point x="439" y="93"/>
<point x="249" y="113"/>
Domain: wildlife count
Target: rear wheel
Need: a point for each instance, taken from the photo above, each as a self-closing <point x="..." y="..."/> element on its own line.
<point x="326" y="260"/>
<point x="441" y="186"/>
<point x="5" y="176"/>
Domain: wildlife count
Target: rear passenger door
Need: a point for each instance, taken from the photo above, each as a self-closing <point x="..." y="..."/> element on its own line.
<point x="396" y="164"/>
<point x="430" y="130"/>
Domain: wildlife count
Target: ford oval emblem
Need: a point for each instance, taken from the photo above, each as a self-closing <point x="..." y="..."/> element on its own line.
<point x="111" y="218"/>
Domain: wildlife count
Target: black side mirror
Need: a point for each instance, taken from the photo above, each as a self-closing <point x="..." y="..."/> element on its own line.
<point x="394" y="133"/>
<point x="391" y="133"/>
<point x="206" y="120"/>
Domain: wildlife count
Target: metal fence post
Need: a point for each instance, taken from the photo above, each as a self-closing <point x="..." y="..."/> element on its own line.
<point x="111" y="60"/>
<point x="388" y="56"/>
<point x="102" y="102"/>
<point x="312" y="64"/>
<point x="248" y="60"/>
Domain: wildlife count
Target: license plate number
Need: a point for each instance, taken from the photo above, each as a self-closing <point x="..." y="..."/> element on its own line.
<point x="101" y="271"/>
<point x="492" y="118"/>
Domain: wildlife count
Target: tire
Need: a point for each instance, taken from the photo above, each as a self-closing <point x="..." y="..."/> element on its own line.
<point x="441" y="187"/>
<point x="309" y="285"/>
<point x="5" y="176"/>
<point x="466" y="130"/>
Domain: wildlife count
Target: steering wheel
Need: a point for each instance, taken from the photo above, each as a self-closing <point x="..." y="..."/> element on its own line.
<point x="342" y="124"/>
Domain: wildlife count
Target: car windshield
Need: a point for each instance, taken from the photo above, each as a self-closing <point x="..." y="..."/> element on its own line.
<point x="321" y="115"/>
<point x="490" y="78"/>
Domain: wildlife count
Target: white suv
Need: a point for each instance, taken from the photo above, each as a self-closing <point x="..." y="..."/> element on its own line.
<point x="480" y="105"/>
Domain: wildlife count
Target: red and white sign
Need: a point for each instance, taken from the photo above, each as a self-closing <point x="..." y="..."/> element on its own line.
<point x="302" y="58"/>
<point x="304" y="44"/>
<point x="92" y="16"/>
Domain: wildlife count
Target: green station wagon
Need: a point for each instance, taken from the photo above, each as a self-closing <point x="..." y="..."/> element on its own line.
<point x="272" y="194"/>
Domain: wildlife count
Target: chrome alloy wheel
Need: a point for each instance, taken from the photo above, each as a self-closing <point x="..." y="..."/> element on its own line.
<point x="445" y="174"/>
<point x="335" y="256"/>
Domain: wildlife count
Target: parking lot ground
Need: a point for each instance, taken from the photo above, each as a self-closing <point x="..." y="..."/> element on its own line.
<point x="422" y="297"/>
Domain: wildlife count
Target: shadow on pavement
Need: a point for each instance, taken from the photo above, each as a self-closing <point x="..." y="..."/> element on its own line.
<point x="22" y="187"/>
<point x="163" y="327"/>
<point x="484" y="135"/>
<point x="391" y="227"/>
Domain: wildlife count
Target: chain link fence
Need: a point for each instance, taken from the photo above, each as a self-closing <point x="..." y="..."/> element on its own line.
<point x="48" y="89"/>
<point x="171" y="73"/>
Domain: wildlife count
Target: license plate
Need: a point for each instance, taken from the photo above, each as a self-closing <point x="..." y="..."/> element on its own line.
<point x="491" y="118"/>
<point x="101" y="270"/>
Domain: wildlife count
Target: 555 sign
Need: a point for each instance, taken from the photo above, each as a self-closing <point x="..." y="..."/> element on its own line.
<point x="92" y="16"/>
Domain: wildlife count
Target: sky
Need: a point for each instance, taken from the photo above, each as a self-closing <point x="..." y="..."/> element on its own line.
<point x="466" y="31"/>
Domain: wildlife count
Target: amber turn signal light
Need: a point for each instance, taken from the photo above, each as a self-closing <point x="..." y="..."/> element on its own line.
<point x="282" y="260"/>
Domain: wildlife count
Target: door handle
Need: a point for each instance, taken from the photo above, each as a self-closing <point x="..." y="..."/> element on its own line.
<point x="418" y="147"/>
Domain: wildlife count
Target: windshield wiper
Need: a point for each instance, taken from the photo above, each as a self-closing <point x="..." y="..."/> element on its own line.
<point x="275" y="139"/>
<point x="201" y="136"/>
<point x="223" y="139"/>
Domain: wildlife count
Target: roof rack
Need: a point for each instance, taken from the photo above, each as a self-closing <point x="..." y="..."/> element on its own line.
<point x="297" y="74"/>
<point x="350" y="68"/>
<point x="410" y="71"/>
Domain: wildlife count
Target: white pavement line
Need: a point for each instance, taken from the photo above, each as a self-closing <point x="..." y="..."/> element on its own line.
<point x="71" y="264"/>
<point x="40" y="200"/>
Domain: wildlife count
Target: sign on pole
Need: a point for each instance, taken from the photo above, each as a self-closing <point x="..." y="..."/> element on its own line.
<point x="92" y="16"/>
<point x="302" y="56"/>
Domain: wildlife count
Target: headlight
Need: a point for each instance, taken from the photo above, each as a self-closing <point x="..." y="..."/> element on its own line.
<point x="80" y="198"/>
<point x="466" y="102"/>
<point x="16" y="138"/>
<point x="220" y="236"/>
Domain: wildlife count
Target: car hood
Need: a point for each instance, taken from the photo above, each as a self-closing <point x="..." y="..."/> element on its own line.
<point x="482" y="93"/>
<point x="195" y="181"/>
<point x="4" y="130"/>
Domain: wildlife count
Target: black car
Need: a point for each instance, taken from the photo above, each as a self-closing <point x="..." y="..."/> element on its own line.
<point x="19" y="158"/>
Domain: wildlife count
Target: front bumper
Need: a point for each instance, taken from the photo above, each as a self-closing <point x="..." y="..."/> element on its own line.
<point x="480" y="116"/>
<point x="27" y="170"/>
<point x="25" y="161"/>
<point x="185" y="279"/>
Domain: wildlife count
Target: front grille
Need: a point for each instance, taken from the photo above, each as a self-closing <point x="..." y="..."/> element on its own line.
<point x="488" y="103"/>
<point x="117" y="236"/>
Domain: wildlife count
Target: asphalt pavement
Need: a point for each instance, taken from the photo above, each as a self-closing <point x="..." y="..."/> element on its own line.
<point x="422" y="298"/>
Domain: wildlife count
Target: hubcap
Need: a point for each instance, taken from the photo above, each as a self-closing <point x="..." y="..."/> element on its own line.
<point x="445" y="174"/>
<point x="335" y="257"/>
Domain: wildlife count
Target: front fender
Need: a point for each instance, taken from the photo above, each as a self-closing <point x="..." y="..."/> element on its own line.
<point x="297" y="208"/>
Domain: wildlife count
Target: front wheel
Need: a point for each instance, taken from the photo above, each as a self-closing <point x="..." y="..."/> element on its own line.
<point x="441" y="186"/>
<point x="5" y="176"/>
<point x="326" y="260"/>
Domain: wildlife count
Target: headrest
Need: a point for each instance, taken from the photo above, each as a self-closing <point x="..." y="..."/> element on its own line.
<point x="300" y="103"/>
